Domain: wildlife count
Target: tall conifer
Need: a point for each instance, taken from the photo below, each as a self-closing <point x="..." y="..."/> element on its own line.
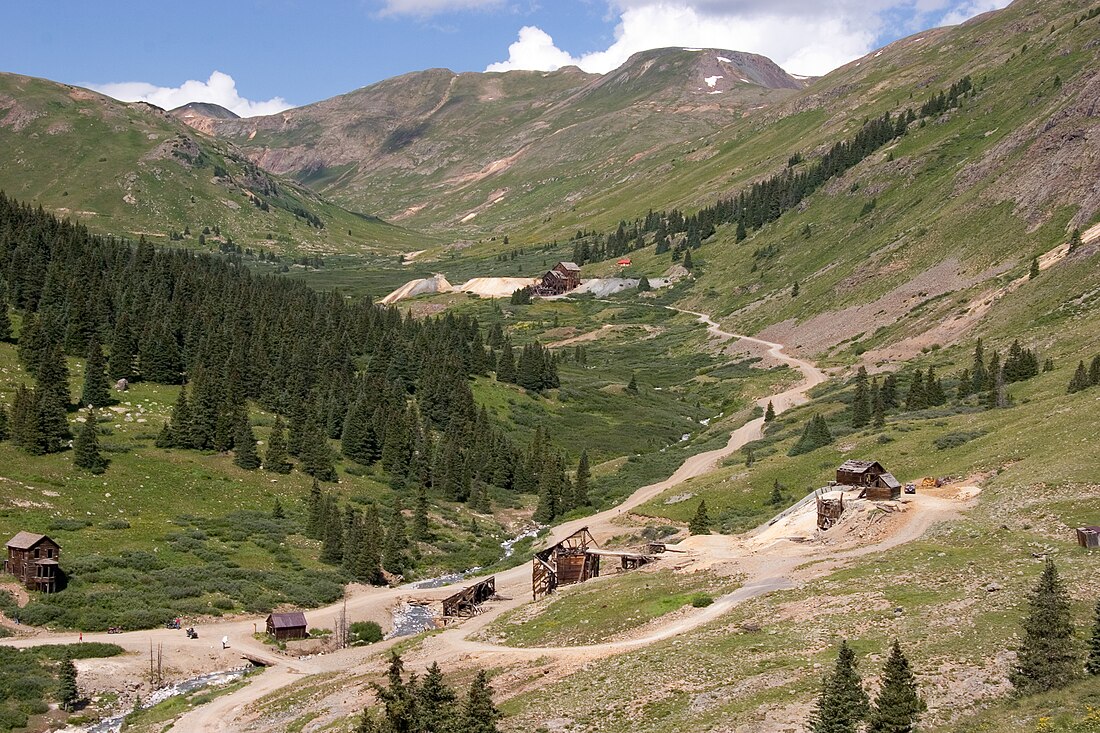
<point x="1048" y="657"/>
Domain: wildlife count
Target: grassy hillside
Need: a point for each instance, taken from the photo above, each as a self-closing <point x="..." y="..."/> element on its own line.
<point x="131" y="169"/>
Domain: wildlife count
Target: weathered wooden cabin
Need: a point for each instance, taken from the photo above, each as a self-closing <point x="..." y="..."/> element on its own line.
<point x="562" y="278"/>
<point x="1088" y="537"/>
<point x="877" y="483"/>
<point x="565" y="563"/>
<point x="829" y="510"/>
<point x="287" y="626"/>
<point x="467" y="600"/>
<point x="35" y="560"/>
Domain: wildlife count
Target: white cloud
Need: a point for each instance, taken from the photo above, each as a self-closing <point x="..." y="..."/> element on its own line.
<point x="970" y="9"/>
<point x="809" y="37"/>
<point x="219" y="88"/>
<point x="426" y="8"/>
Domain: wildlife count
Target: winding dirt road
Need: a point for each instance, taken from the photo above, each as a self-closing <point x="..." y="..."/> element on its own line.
<point x="766" y="572"/>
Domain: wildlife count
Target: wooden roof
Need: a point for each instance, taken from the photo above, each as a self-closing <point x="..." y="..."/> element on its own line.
<point x="855" y="466"/>
<point x="573" y="266"/>
<point x="888" y="479"/>
<point x="292" y="620"/>
<point x="25" y="540"/>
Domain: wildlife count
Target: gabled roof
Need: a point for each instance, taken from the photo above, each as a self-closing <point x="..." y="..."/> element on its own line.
<point x="570" y="266"/>
<point x="890" y="481"/>
<point x="856" y="466"/>
<point x="25" y="540"/>
<point x="290" y="620"/>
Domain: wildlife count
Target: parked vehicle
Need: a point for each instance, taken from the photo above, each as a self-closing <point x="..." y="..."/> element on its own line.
<point x="114" y="629"/>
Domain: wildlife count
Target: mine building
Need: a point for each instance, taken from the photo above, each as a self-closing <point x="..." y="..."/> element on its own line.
<point x="287" y="626"/>
<point x="564" y="276"/>
<point x="875" y="482"/>
<point x="34" y="560"/>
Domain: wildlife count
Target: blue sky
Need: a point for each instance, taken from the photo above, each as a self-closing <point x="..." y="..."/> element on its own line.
<point x="277" y="53"/>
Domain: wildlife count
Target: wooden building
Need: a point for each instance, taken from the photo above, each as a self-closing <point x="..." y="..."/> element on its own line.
<point x="877" y="483"/>
<point x="567" y="562"/>
<point x="34" y="560"/>
<point x="467" y="601"/>
<point x="564" y="276"/>
<point x="287" y="626"/>
<point x="1088" y="537"/>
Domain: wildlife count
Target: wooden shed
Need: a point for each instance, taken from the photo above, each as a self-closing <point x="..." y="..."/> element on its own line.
<point x="287" y="626"/>
<point x="565" y="563"/>
<point x="35" y="560"/>
<point x="829" y="509"/>
<point x="1088" y="537"/>
<point x="562" y="278"/>
<point x="878" y="484"/>
<point x="467" y="600"/>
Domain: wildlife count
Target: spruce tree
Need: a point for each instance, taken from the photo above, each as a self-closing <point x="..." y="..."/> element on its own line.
<point x="898" y="703"/>
<point x="277" y="511"/>
<point x="317" y="458"/>
<point x="1094" y="371"/>
<point x="479" y="713"/>
<point x="315" y="512"/>
<point x="357" y="441"/>
<point x="1092" y="662"/>
<point x="86" y="446"/>
<point x="632" y="387"/>
<point x="842" y="704"/>
<point x="1048" y="658"/>
<point x="878" y="412"/>
<point x="688" y="264"/>
<point x="643" y="284"/>
<point x="68" y="693"/>
<point x="332" y="543"/>
<point x="769" y="414"/>
<point x="1080" y="379"/>
<point x="244" y="445"/>
<point x="5" y="425"/>
<point x="5" y="319"/>
<point x="395" y="553"/>
<point x="1033" y="272"/>
<point x="398" y="699"/>
<point x="860" y="410"/>
<point x="979" y="377"/>
<point x="275" y="457"/>
<point x="700" y="523"/>
<point x="580" y="481"/>
<point x="421" y="530"/>
<point x="506" y="364"/>
<point x="436" y="703"/>
<point x="776" y="497"/>
<point x="96" y="391"/>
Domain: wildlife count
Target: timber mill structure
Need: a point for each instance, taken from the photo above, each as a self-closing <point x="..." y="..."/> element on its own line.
<point x="467" y="602"/>
<point x="575" y="560"/>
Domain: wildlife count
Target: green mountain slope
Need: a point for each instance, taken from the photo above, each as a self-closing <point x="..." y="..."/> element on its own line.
<point x="477" y="152"/>
<point x="131" y="169"/>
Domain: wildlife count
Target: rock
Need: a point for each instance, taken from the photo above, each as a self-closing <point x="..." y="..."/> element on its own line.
<point x="994" y="587"/>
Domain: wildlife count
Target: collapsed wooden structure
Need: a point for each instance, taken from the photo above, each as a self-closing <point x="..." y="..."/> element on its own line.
<point x="577" y="559"/>
<point x="829" y="510"/>
<point x="1088" y="537"/>
<point x="876" y="482"/>
<point x="467" y="601"/>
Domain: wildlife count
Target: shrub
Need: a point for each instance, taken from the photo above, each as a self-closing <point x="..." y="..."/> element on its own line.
<point x="68" y="525"/>
<point x="115" y="524"/>
<point x="701" y="600"/>
<point x="954" y="440"/>
<point x="364" y="632"/>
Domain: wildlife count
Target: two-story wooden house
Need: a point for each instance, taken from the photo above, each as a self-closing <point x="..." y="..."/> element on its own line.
<point x="34" y="559"/>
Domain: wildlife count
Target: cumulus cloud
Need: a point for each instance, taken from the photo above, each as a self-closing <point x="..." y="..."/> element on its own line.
<point x="808" y="37"/>
<point x="219" y="89"/>
<point x="426" y="8"/>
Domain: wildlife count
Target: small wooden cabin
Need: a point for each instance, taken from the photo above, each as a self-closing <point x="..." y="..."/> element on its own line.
<point x="1088" y="537"/>
<point x="829" y="510"/>
<point x="562" y="278"/>
<point x="878" y="484"/>
<point x="34" y="560"/>
<point x="565" y="563"/>
<point x="287" y="626"/>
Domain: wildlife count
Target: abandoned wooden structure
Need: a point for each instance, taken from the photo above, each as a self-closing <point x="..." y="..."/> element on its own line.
<point x="562" y="278"/>
<point x="467" y="600"/>
<point x="287" y="626"/>
<point x="34" y="560"/>
<point x="627" y="560"/>
<point x="829" y="510"/>
<point x="1088" y="537"/>
<point x="570" y="561"/>
<point x="877" y="483"/>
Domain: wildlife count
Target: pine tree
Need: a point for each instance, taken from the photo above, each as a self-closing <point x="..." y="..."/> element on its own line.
<point x="506" y="364"/>
<point x="769" y="414"/>
<point x="1094" y="371"/>
<point x="317" y="458"/>
<point x="688" y="264"/>
<point x="643" y="284"/>
<point x="1092" y="663"/>
<point x="741" y="233"/>
<point x="244" y="445"/>
<point x="332" y="543"/>
<point x="5" y="425"/>
<point x="632" y="387"/>
<point x="580" y="481"/>
<point x="398" y="700"/>
<point x="815" y="435"/>
<point x="1034" y="271"/>
<point x="277" y="511"/>
<point x="435" y="703"/>
<point x="898" y="703"/>
<point x="934" y="393"/>
<point x="794" y="290"/>
<point x="1080" y="379"/>
<point x="700" y="523"/>
<point x="421" y="526"/>
<point x="917" y="398"/>
<point x="776" y="497"/>
<point x="479" y="713"/>
<point x="860" y="410"/>
<point x="275" y="457"/>
<point x="1048" y="658"/>
<point x="978" y="375"/>
<point x="86" y="446"/>
<point x="96" y="392"/>
<point x="890" y="391"/>
<point x="357" y="440"/>
<point x="842" y="704"/>
<point x="5" y="319"/>
<point x="878" y="413"/>
<point x="315" y="512"/>
<point x="68" y="693"/>
<point x="395" y="553"/>
<point x="1074" y="239"/>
